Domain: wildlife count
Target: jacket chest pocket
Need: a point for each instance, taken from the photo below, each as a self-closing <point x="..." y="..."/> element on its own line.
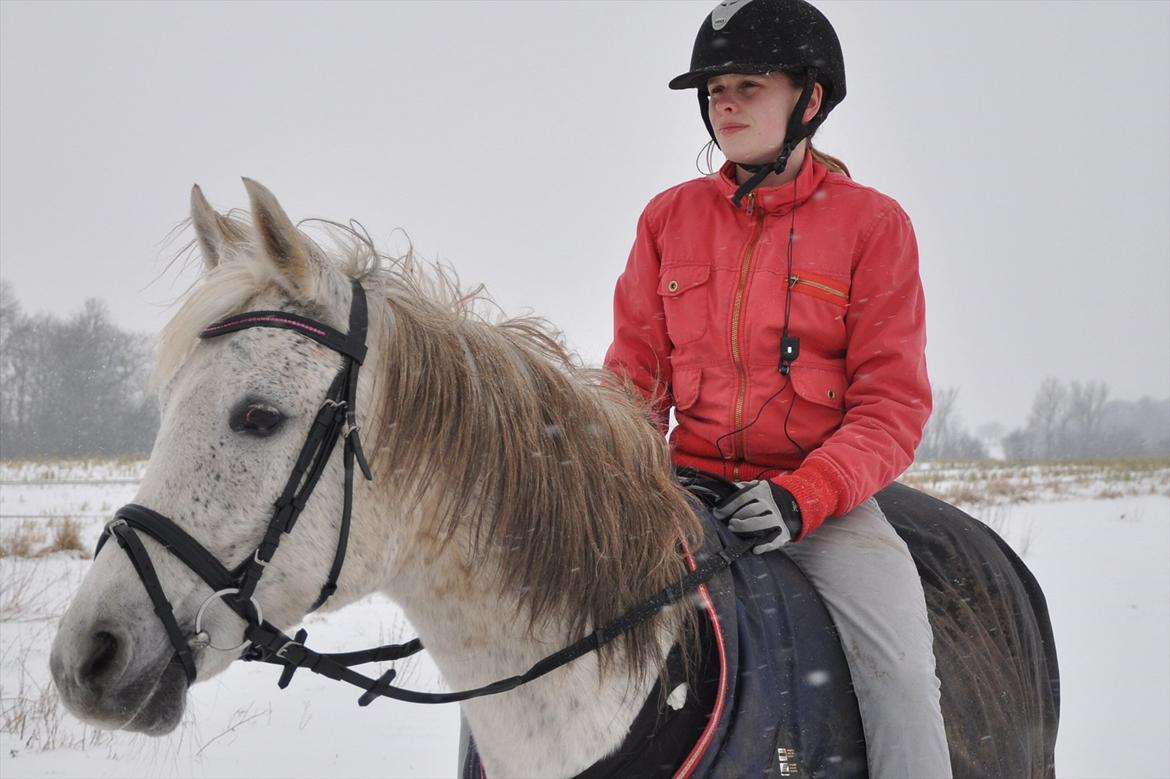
<point x="828" y="289"/>
<point x="684" y="291"/>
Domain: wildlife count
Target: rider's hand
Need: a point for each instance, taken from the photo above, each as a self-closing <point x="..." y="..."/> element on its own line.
<point x="758" y="507"/>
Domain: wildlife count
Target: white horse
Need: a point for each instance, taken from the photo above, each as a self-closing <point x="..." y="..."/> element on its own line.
<point x="495" y="518"/>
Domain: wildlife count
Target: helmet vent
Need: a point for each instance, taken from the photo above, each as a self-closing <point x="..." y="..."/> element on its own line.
<point x="724" y="11"/>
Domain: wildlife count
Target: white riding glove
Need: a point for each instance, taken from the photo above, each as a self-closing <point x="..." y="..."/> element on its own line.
<point x="758" y="507"/>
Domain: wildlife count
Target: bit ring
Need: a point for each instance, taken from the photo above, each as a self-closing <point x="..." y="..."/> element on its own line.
<point x="202" y="639"/>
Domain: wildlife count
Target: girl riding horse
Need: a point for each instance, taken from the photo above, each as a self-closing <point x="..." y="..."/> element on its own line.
<point x="776" y="306"/>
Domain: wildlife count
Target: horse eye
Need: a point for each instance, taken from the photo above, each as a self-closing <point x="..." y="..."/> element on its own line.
<point x="256" y="419"/>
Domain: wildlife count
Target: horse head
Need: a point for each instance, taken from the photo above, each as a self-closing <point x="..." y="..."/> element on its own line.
<point x="235" y="413"/>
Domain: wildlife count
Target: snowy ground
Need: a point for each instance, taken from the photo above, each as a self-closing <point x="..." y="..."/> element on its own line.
<point x="1098" y="539"/>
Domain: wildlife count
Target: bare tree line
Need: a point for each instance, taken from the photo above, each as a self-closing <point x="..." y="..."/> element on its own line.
<point x="945" y="436"/>
<point x="76" y="386"/>
<point x="1069" y="420"/>
<point x="73" y="386"/>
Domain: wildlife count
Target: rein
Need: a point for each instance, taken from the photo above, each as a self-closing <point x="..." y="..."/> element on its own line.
<point x="264" y="642"/>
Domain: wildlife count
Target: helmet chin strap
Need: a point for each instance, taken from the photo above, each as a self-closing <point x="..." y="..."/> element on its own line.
<point x="798" y="130"/>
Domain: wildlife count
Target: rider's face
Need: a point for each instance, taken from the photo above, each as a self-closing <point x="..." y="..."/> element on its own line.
<point x="749" y="113"/>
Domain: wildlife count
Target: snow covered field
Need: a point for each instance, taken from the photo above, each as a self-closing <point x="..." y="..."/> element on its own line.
<point x="1097" y="538"/>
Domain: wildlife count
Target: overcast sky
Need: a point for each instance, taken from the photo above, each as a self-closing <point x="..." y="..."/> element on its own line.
<point x="519" y="142"/>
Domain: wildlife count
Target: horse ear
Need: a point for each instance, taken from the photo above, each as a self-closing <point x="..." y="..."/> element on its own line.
<point x="279" y="238"/>
<point x="214" y="232"/>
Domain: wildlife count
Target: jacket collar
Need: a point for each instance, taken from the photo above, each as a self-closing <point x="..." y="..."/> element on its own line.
<point x="777" y="200"/>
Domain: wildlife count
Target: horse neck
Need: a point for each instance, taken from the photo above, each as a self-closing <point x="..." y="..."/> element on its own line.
<point x="476" y="633"/>
<point x="557" y="725"/>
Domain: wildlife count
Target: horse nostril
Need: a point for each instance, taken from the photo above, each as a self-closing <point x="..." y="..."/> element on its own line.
<point x="101" y="663"/>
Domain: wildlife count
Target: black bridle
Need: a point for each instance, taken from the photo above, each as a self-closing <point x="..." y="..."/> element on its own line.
<point x="336" y="420"/>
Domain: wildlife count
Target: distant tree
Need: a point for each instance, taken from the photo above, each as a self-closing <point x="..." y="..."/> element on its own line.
<point x="24" y="369"/>
<point x="1019" y="445"/>
<point x="1138" y="428"/>
<point x="10" y="312"/>
<point x="1049" y="417"/>
<point x="74" y="387"/>
<point x="10" y="320"/>
<point x="1086" y="405"/>
<point x="990" y="432"/>
<point x="945" y="437"/>
<point x="1077" y="421"/>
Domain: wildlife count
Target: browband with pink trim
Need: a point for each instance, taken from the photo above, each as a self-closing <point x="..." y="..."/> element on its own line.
<point x="348" y="345"/>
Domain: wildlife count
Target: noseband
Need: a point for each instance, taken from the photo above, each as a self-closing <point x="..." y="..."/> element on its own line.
<point x="336" y="420"/>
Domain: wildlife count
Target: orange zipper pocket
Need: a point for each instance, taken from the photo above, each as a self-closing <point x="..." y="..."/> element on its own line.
<point x="819" y="288"/>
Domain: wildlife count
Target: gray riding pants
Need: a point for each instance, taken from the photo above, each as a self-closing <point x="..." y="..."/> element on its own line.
<point x="867" y="579"/>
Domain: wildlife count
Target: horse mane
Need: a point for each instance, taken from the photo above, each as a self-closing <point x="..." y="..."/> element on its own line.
<point x="559" y="469"/>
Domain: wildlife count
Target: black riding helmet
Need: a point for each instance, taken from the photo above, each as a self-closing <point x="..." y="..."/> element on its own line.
<point x="764" y="36"/>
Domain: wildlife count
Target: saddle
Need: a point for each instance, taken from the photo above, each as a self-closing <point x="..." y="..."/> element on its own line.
<point x="789" y="709"/>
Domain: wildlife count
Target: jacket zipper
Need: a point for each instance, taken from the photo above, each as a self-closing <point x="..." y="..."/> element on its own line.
<point x="736" y="327"/>
<point x="794" y="280"/>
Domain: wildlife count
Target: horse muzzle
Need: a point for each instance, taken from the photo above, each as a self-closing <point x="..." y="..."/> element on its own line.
<point x="101" y="680"/>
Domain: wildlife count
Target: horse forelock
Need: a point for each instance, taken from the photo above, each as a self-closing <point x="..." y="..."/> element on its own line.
<point x="554" y="470"/>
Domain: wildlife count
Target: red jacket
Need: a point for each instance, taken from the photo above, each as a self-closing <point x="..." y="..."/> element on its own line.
<point x="699" y="313"/>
